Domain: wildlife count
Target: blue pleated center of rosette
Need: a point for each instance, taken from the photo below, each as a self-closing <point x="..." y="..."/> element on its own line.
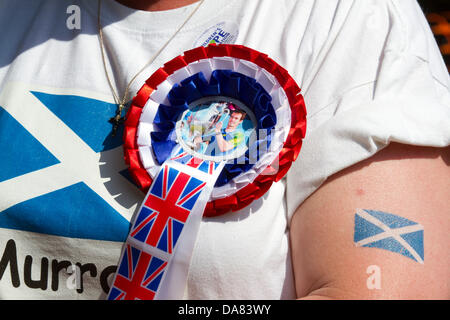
<point x="225" y="83"/>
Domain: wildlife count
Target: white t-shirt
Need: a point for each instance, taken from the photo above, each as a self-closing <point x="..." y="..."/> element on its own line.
<point x="370" y="73"/>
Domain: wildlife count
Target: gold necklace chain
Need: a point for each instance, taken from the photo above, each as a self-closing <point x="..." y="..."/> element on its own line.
<point x="117" y="119"/>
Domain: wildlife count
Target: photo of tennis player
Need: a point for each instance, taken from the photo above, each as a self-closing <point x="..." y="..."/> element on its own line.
<point x="216" y="129"/>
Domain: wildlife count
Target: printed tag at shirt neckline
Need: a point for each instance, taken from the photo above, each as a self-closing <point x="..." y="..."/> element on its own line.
<point x="225" y="32"/>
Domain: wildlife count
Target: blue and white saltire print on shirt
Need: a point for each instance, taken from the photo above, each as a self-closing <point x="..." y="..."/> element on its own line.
<point x="390" y="232"/>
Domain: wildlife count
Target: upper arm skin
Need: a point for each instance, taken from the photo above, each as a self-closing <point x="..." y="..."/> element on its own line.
<point x="407" y="181"/>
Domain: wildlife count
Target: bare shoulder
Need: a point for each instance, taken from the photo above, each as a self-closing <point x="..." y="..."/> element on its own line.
<point x="377" y="230"/>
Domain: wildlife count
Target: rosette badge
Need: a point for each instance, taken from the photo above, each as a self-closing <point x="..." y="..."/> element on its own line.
<point x="208" y="133"/>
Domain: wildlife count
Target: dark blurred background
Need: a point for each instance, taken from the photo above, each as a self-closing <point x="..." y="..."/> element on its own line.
<point x="438" y="16"/>
<point x="435" y="5"/>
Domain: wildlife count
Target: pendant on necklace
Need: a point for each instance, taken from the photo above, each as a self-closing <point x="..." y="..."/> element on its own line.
<point x="117" y="120"/>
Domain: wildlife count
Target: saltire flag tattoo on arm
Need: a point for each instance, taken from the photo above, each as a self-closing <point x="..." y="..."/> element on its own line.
<point x="389" y="232"/>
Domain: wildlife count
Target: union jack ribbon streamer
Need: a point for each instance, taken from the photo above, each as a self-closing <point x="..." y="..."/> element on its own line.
<point x="170" y="204"/>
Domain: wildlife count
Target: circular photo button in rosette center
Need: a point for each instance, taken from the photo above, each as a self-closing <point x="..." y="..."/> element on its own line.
<point x="221" y="103"/>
